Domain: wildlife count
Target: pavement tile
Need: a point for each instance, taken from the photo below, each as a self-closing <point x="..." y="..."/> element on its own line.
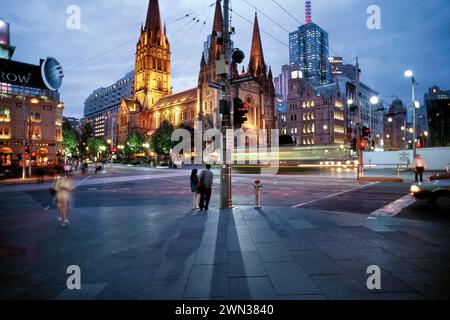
<point x="273" y="252"/>
<point x="265" y="236"/>
<point x="183" y="247"/>
<point x="439" y="267"/>
<point x="245" y="264"/>
<point x="364" y="233"/>
<point x="163" y="290"/>
<point x="87" y="292"/>
<point x="288" y="278"/>
<point x="398" y="249"/>
<point x="315" y="262"/>
<point x="297" y="242"/>
<point x="215" y="254"/>
<point x="316" y="235"/>
<point x="387" y="261"/>
<point x="174" y="268"/>
<point x="301" y="224"/>
<point x="342" y="287"/>
<point x="336" y="250"/>
<point x="259" y="288"/>
<point x="426" y="284"/>
<point x="208" y="282"/>
<point x="241" y="245"/>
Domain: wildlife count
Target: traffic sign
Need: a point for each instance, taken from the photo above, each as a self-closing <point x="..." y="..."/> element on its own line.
<point x="214" y="85"/>
<point x="243" y="79"/>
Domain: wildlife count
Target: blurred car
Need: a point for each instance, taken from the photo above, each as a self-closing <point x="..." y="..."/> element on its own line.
<point x="439" y="176"/>
<point x="436" y="192"/>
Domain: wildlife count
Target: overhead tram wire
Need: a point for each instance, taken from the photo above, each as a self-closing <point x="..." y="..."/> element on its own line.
<point x="194" y="43"/>
<point x="251" y="23"/>
<point x="265" y="15"/>
<point x="194" y="20"/>
<point x="190" y="14"/>
<point x="135" y="39"/>
<point x="281" y="7"/>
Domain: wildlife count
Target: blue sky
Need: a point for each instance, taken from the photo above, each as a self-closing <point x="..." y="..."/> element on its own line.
<point x="414" y="35"/>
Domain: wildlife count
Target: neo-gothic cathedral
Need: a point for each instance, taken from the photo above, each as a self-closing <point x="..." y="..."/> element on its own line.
<point x="154" y="102"/>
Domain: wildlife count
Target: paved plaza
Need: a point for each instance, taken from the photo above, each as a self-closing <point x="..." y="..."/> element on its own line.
<point x="134" y="236"/>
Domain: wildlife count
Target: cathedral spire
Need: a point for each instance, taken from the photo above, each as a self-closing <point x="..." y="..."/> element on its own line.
<point x="153" y="22"/>
<point x="218" y="18"/>
<point x="257" y="64"/>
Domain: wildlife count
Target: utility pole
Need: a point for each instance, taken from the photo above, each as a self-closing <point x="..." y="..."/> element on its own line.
<point x="414" y="115"/>
<point x="24" y="140"/>
<point x="358" y="123"/>
<point x="226" y="170"/>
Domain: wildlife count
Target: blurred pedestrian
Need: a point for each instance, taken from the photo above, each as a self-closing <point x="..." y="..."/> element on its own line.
<point x="67" y="169"/>
<point x="205" y="187"/>
<point x="194" y="187"/>
<point x="420" y="167"/>
<point x="62" y="190"/>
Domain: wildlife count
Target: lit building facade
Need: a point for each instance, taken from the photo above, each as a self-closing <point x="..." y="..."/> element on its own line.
<point x="437" y="102"/>
<point x="30" y="114"/>
<point x="315" y="115"/>
<point x="395" y="126"/>
<point x="101" y="107"/>
<point x="309" y="52"/>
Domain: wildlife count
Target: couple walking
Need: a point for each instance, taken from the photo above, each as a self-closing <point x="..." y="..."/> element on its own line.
<point x="202" y="185"/>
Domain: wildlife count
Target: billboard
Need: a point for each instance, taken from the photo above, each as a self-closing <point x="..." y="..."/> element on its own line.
<point x="47" y="75"/>
<point x="4" y="33"/>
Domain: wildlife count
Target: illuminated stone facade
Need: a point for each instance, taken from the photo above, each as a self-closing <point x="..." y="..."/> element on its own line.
<point x="153" y="101"/>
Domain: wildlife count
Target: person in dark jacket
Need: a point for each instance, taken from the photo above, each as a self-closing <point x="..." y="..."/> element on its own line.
<point x="194" y="188"/>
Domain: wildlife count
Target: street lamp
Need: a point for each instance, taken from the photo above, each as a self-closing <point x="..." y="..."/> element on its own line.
<point x="410" y="74"/>
<point x="390" y="119"/>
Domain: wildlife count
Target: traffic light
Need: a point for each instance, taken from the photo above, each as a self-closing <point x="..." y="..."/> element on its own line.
<point x="27" y="149"/>
<point x="366" y="132"/>
<point x="239" y="113"/>
<point x="362" y="145"/>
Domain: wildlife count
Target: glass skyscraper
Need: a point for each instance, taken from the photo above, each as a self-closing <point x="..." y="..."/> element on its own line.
<point x="309" y="52"/>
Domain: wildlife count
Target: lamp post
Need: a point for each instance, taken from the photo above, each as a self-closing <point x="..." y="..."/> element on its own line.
<point x="415" y="105"/>
<point x="373" y="102"/>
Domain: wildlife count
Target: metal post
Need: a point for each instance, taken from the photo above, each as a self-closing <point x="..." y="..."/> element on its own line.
<point x="112" y="140"/>
<point x="226" y="170"/>
<point x="414" y="117"/>
<point x="358" y="125"/>
<point x="24" y="141"/>
<point x="30" y="136"/>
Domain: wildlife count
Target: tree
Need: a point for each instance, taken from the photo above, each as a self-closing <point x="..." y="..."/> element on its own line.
<point x="86" y="132"/>
<point x="134" y="143"/>
<point x="94" y="146"/>
<point x="162" y="139"/>
<point x="71" y="142"/>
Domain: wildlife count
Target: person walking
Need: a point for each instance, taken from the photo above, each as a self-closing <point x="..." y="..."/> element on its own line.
<point x="194" y="187"/>
<point x="206" y="182"/>
<point x="62" y="190"/>
<point x="419" y="167"/>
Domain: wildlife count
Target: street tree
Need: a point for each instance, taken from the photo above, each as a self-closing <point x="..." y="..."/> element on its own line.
<point x="162" y="139"/>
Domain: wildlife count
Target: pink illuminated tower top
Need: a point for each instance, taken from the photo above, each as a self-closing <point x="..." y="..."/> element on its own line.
<point x="308" y="12"/>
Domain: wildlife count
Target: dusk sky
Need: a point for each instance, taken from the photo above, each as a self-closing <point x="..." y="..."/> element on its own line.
<point x="414" y="35"/>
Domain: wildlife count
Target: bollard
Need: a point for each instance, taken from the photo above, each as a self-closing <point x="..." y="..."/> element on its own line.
<point x="258" y="187"/>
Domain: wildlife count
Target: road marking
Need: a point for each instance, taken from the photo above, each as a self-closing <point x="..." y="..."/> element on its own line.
<point x="79" y="183"/>
<point x="394" y="208"/>
<point x="334" y="195"/>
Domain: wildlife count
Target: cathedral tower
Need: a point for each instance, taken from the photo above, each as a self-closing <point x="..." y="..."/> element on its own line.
<point x="152" y="71"/>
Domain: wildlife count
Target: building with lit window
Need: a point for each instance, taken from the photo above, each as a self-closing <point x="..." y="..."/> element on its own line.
<point x="102" y="106"/>
<point x="437" y="102"/>
<point x="315" y="115"/>
<point x="30" y="119"/>
<point x="281" y="91"/>
<point x="336" y="64"/>
<point x="309" y="51"/>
